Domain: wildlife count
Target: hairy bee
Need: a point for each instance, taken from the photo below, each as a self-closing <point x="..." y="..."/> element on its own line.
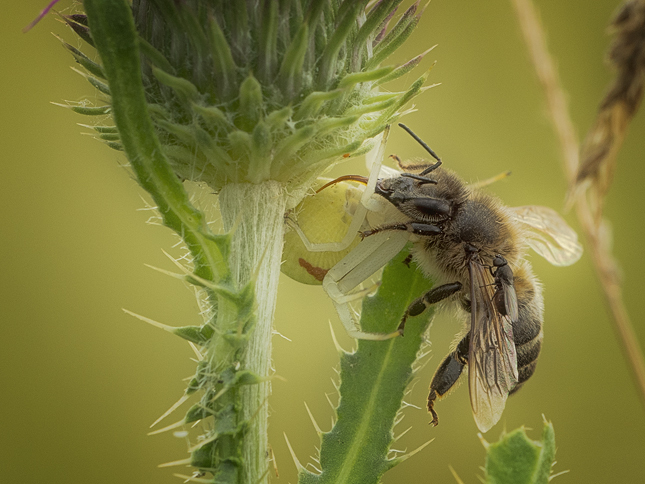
<point x="476" y="246"/>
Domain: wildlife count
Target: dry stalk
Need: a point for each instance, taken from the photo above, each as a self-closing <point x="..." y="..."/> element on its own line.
<point x="597" y="148"/>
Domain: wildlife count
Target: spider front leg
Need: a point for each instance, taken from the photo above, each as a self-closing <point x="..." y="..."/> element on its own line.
<point x="363" y="261"/>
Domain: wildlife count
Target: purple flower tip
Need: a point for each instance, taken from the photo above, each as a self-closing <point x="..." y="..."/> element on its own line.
<point x="44" y="12"/>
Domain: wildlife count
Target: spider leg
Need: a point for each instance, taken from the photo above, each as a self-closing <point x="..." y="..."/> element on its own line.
<point x="368" y="257"/>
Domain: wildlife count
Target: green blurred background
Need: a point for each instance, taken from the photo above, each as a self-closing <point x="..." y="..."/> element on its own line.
<point x="81" y="381"/>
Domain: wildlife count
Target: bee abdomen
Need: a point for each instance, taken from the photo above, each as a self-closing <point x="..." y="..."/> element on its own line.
<point x="527" y="355"/>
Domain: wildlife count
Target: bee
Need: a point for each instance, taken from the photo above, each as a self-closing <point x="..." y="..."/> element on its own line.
<point x="476" y="246"/>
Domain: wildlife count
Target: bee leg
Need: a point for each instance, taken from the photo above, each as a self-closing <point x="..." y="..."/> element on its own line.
<point x="412" y="227"/>
<point x="447" y="375"/>
<point x="433" y="296"/>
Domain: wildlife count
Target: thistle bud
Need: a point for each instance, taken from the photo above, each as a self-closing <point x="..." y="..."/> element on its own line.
<point x="251" y="91"/>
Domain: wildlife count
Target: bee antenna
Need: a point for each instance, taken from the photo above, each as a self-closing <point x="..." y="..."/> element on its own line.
<point x="421" y="142"/>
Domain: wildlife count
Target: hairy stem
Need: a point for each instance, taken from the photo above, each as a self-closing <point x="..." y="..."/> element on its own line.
<point x="254" y="214"/>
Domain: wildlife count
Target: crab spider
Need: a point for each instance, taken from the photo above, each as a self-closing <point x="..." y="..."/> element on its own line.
<point x="368" y="256"/>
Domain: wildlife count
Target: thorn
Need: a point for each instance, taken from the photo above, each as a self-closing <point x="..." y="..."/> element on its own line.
<point x="220" y="393"/>
<point x="204" y="282"/>
<point x="202" y="443"/>
<point x="330" y="403"/>
<point x="406" y="405"/>
<point x="168" y="273"/>
<point x="423" y="9"/>
<point x="206" y="409"/>
<point x="395" y="452"/>
<point x="79" y="72"/>
<point x="169" y="427"/>
<point x="422" y="356"/>
<point x="281" y="335"/>
<point x="405" y="457"/>
<point x="401" y="434"/>
<point x="410" y="388"/>
<point x="553" y="476"/>
<point x="171" y="409"/>
<point x="147" y="204"/>
<point x="293" y="455"/>
<point x="399" y="418"/>
<point x="410" y="110"/>
<point x="193" y="479"/>
<point x="483" y="440"/>
<point x="196" y="350"/>
<point x="319" y="471"/>
<point x="454" y="474"/>
<point x="176" y="463"/>
<point x="425" y="88"/>
<point x="428" y="50"/>
<point x="154" y="221"/>
<point x="335" y="384"/>
<point x="154" y="323"/>
<point x="313" y="420"/>
<point x="339" y="348"/>
<point x="177" y="263"/>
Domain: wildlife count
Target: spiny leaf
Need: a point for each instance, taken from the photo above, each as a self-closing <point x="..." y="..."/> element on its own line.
<point x="516" y="459"/>
<point x="373" y="381"/>
<point x="395" y="38"/>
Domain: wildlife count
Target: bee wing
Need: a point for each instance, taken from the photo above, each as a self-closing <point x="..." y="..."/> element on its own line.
<point x="510" y="301"/>
<point x="549" y="235"/>
<point x="492" y="359"/>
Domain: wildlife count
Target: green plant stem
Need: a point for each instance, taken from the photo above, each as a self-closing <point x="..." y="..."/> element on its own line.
<point x="254" y="214"/>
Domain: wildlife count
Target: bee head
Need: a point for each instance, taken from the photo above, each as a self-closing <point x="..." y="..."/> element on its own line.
<point x="396" y="189"/>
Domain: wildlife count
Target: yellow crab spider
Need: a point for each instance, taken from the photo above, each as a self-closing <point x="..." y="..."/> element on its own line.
<point x="364" y="258"/>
